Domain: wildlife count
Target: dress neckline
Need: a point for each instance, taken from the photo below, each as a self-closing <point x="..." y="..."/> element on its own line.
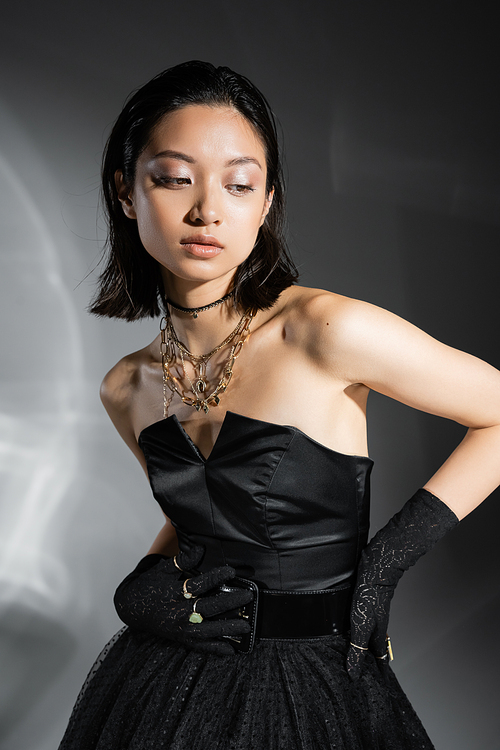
<point x="233" y="414"/>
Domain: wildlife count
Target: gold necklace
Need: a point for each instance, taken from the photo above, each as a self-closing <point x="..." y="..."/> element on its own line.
<point x="199" y="361"/>
<point x="199" y="399"/>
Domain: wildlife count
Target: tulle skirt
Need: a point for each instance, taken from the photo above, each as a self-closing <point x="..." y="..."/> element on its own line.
<point x="145" y="693"/>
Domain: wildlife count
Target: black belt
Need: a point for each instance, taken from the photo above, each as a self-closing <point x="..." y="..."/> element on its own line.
<point x="291" y="614"/>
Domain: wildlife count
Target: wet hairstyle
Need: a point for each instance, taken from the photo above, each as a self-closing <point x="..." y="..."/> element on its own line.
<point x="130" y="285"/>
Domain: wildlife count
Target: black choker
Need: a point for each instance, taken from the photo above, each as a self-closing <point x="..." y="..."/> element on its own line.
<point x="195" y="310"/>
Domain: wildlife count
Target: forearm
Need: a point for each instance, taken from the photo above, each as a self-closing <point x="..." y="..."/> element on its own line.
<point x="414" y="530"/>
<point x="166" y="542"/>
<point x="155" y="599"/>
<point x="471" y="473"/>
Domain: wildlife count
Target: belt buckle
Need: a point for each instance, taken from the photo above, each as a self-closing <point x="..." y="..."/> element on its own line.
<point x="244" y="643"/>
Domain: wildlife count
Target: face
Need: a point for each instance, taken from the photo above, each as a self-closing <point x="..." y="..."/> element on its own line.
<point x="199" y="195"/>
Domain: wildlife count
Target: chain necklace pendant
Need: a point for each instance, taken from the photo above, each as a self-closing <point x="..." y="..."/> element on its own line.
<point x="199" y="405"/>
<point x="195" y="315"/>
<point x="201" y="385"/>
<point x="200" y="388"/>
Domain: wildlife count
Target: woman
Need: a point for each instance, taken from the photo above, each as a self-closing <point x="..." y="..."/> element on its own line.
<point x="259" y="616"/>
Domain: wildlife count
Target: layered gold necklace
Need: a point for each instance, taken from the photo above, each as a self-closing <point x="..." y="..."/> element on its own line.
<point x="197" y="392"/>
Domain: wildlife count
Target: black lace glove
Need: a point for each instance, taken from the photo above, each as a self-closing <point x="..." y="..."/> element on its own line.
<point x="152" y="598"/>
<point x="412" y="532"/>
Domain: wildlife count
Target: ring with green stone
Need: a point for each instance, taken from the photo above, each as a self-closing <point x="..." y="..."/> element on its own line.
<point x="195" y="616"/>
<point x="187" y="594"/>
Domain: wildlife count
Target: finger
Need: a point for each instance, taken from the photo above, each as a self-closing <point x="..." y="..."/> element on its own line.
<point x="210" y="580"/>
<point x="358" y="647"/>
<point x="223" y="602"/>
<point x="378" y="641"/>
<point x="189" y="559"/>
<point x="355" y="660"/>
<point x="214" y="628"/>
<point x="166" y="566"/>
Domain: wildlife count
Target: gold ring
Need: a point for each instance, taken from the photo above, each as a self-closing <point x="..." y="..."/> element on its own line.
<point x="195" y="616"/>
<point x="388" y="653"/>
<point x="187" y="594"/>
<point x="389" y="649"/>
<point x="177" y="564"/>
<point x="361" y="648"/>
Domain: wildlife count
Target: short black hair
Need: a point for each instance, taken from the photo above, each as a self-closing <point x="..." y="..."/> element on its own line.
<point x="130" y="285"/>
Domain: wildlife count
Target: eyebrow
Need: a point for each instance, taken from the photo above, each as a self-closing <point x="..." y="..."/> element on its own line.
<point x="243" y="160"/>
<point x="179" y="156"/>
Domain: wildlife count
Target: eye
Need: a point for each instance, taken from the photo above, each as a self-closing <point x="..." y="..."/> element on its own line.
<point x="173" y="182"/>
<point x="240" y="189"/>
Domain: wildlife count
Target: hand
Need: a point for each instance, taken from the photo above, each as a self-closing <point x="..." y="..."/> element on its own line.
<point x="421" y="522"/>
<point x="152" y="599"/>
<point x="369" y="616"/>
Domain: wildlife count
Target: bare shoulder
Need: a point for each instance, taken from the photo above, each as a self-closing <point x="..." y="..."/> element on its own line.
<point x="122" y="392"/>
<point x="361" y="343"/>
<point x="353" y="339"/>
<point x="311" y="311"/>
<point x="120" y="384"/>
<point x="330" y="326"/>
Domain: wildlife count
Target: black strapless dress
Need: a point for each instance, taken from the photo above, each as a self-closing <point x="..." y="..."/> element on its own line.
<point x="290" y="514"/>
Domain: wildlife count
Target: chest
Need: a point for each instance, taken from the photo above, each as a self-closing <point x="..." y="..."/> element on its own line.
<point x="271" y="380"/>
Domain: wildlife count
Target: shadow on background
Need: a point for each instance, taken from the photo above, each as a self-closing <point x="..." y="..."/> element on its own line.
<point x="34" y="650"/>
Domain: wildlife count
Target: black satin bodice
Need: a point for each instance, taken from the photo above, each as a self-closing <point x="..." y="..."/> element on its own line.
<point x="281" y="508"/>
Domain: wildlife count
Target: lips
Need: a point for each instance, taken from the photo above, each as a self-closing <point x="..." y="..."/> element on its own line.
<point x="202" y="239"/>
<point x="202" y="245"/>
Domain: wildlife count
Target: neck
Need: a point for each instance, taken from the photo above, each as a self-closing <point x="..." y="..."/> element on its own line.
<point x="195" y="293"/>
<point x="210" y="327"/>
<point x="195" y="311"/>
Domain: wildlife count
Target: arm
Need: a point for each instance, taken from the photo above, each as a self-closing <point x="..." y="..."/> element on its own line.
<point x="372" y="346"/>
<point x="166" y="542"/>
<point x="393" y="357"/>
<point x="119" y="395"/>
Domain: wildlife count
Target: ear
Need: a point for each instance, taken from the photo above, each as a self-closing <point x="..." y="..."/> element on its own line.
<point x="124" y="195"/>
<point x="267" y="205"/>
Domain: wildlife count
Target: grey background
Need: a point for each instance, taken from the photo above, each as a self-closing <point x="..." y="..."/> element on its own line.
<point x="390" y="118"/>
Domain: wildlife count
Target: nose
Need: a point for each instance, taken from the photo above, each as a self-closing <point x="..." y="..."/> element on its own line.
<point x="206" y="208"/>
